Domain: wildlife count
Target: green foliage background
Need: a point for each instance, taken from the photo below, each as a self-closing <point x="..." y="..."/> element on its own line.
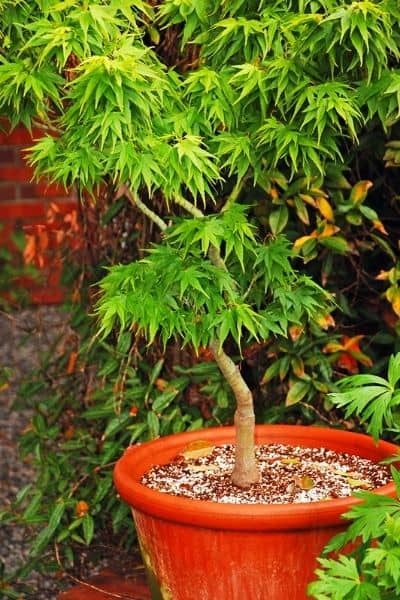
<point x="287" y="110"/>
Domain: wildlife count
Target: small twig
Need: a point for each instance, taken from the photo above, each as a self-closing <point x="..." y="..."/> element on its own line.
<point x="122" y="380"/>
<point x="78" y="483"/>
<point x="90" y="585"/>
<point x="234" y="195"/>
<point x="317" y="412"/>
<point x="252" y="282"/>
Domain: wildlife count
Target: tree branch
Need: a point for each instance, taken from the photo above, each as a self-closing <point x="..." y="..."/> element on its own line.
<point x="234" y="195"/>
<point x="136" y="201"/>
<point x="189" y="207"/>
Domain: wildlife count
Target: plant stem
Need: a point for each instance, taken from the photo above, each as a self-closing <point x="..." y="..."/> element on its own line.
<point x="245" y="471"/>
<point x="235" y="193"/>
<point x="189" y="207"/>
<point x="136" y="201"/>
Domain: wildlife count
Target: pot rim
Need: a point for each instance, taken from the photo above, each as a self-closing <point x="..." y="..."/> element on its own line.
<point x="137" y="459"/>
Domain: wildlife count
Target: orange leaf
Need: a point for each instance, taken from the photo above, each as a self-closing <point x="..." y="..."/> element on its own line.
<point x="377" y="224"/>
<point x="295" y="331"/>
<point x="383" y="275"/>
<point x="328" y="231"/>
<point x="205" y="354"/>
<point x="197" y="449"/>
<point x="325" y="208"/>
<point x="72" y="362"/>
<point x="274" y="193"/>
<point x="352" y="343"/>
<point x="81" y="509"/>
<point x="347" y="363"/>
<point x="161" y="384"/>
<point x="69" y="432"/>
<point x="30" y="249"/>
<point x="304" y="483"/>
<point x="326" y="321"/>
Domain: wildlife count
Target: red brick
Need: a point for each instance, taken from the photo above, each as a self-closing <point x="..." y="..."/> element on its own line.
<point x="7" y="154"/>
<point x="54" y="275"/>
<point x="47" y="296"/>
<point x="38" y="190"/>
<point x="16" y="173"/>
<point x="20" y="135"/>
<point x="8" y="191"/>
<point x="28" y="190"/>
<point x="107" y="584"/>
<point x="6" y="230"/>
<point x="22" y="210"/>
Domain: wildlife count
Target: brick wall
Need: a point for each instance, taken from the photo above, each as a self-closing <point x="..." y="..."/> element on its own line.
<point x="25" y="205"/>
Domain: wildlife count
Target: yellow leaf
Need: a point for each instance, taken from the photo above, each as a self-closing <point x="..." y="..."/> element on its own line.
<point x="359" y="192"/>
<point x="290" y="460"/>
<point x="393" y="295"/>
<point x="359" y="483"/>
<point x="203" y="468"/>
<point x="333" y="347"/>
<point x="299" y="243"/>
<point x="328" y="231"/>
<point x="197" y="449"/>
<point x="318" y="192"/>
<point x="308" y="199"/>
<point x="304" y="483"/>
<point x="325" y="208"/>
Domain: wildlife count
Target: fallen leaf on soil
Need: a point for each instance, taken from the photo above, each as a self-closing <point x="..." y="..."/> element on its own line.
<point x="290" y="461"/>
<point x="200" y="468"/>
<point x="304" y="483"/>
<point x="197" y="449"/>
<point x="359" y="483"/>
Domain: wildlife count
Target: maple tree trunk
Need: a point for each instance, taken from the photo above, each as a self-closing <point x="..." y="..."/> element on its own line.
<point x="245" y="471"/>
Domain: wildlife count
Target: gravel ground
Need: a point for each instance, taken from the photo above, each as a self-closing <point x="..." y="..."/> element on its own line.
<point x="23" y="336"/>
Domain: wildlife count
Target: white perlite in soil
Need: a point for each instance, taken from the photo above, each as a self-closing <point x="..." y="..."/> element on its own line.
<point x="289" y="474"/>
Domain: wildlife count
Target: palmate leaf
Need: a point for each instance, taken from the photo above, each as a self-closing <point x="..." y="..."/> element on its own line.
<point x="190" y="167"/>
<point x="281" y="141"/>
<point x="341" y="580"/>
<point x="370" y="397"/>
<point x="368" y="518"/>
<point x="273" y="259"/>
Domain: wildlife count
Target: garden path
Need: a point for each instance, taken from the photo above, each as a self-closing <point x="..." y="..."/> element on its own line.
<point x="23" y="336"/>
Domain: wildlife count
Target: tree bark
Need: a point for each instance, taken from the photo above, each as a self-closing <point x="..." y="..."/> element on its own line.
<point x="245" y="472"/>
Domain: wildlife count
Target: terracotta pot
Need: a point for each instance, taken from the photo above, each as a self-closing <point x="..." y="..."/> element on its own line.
<point x="207" y="551"/>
